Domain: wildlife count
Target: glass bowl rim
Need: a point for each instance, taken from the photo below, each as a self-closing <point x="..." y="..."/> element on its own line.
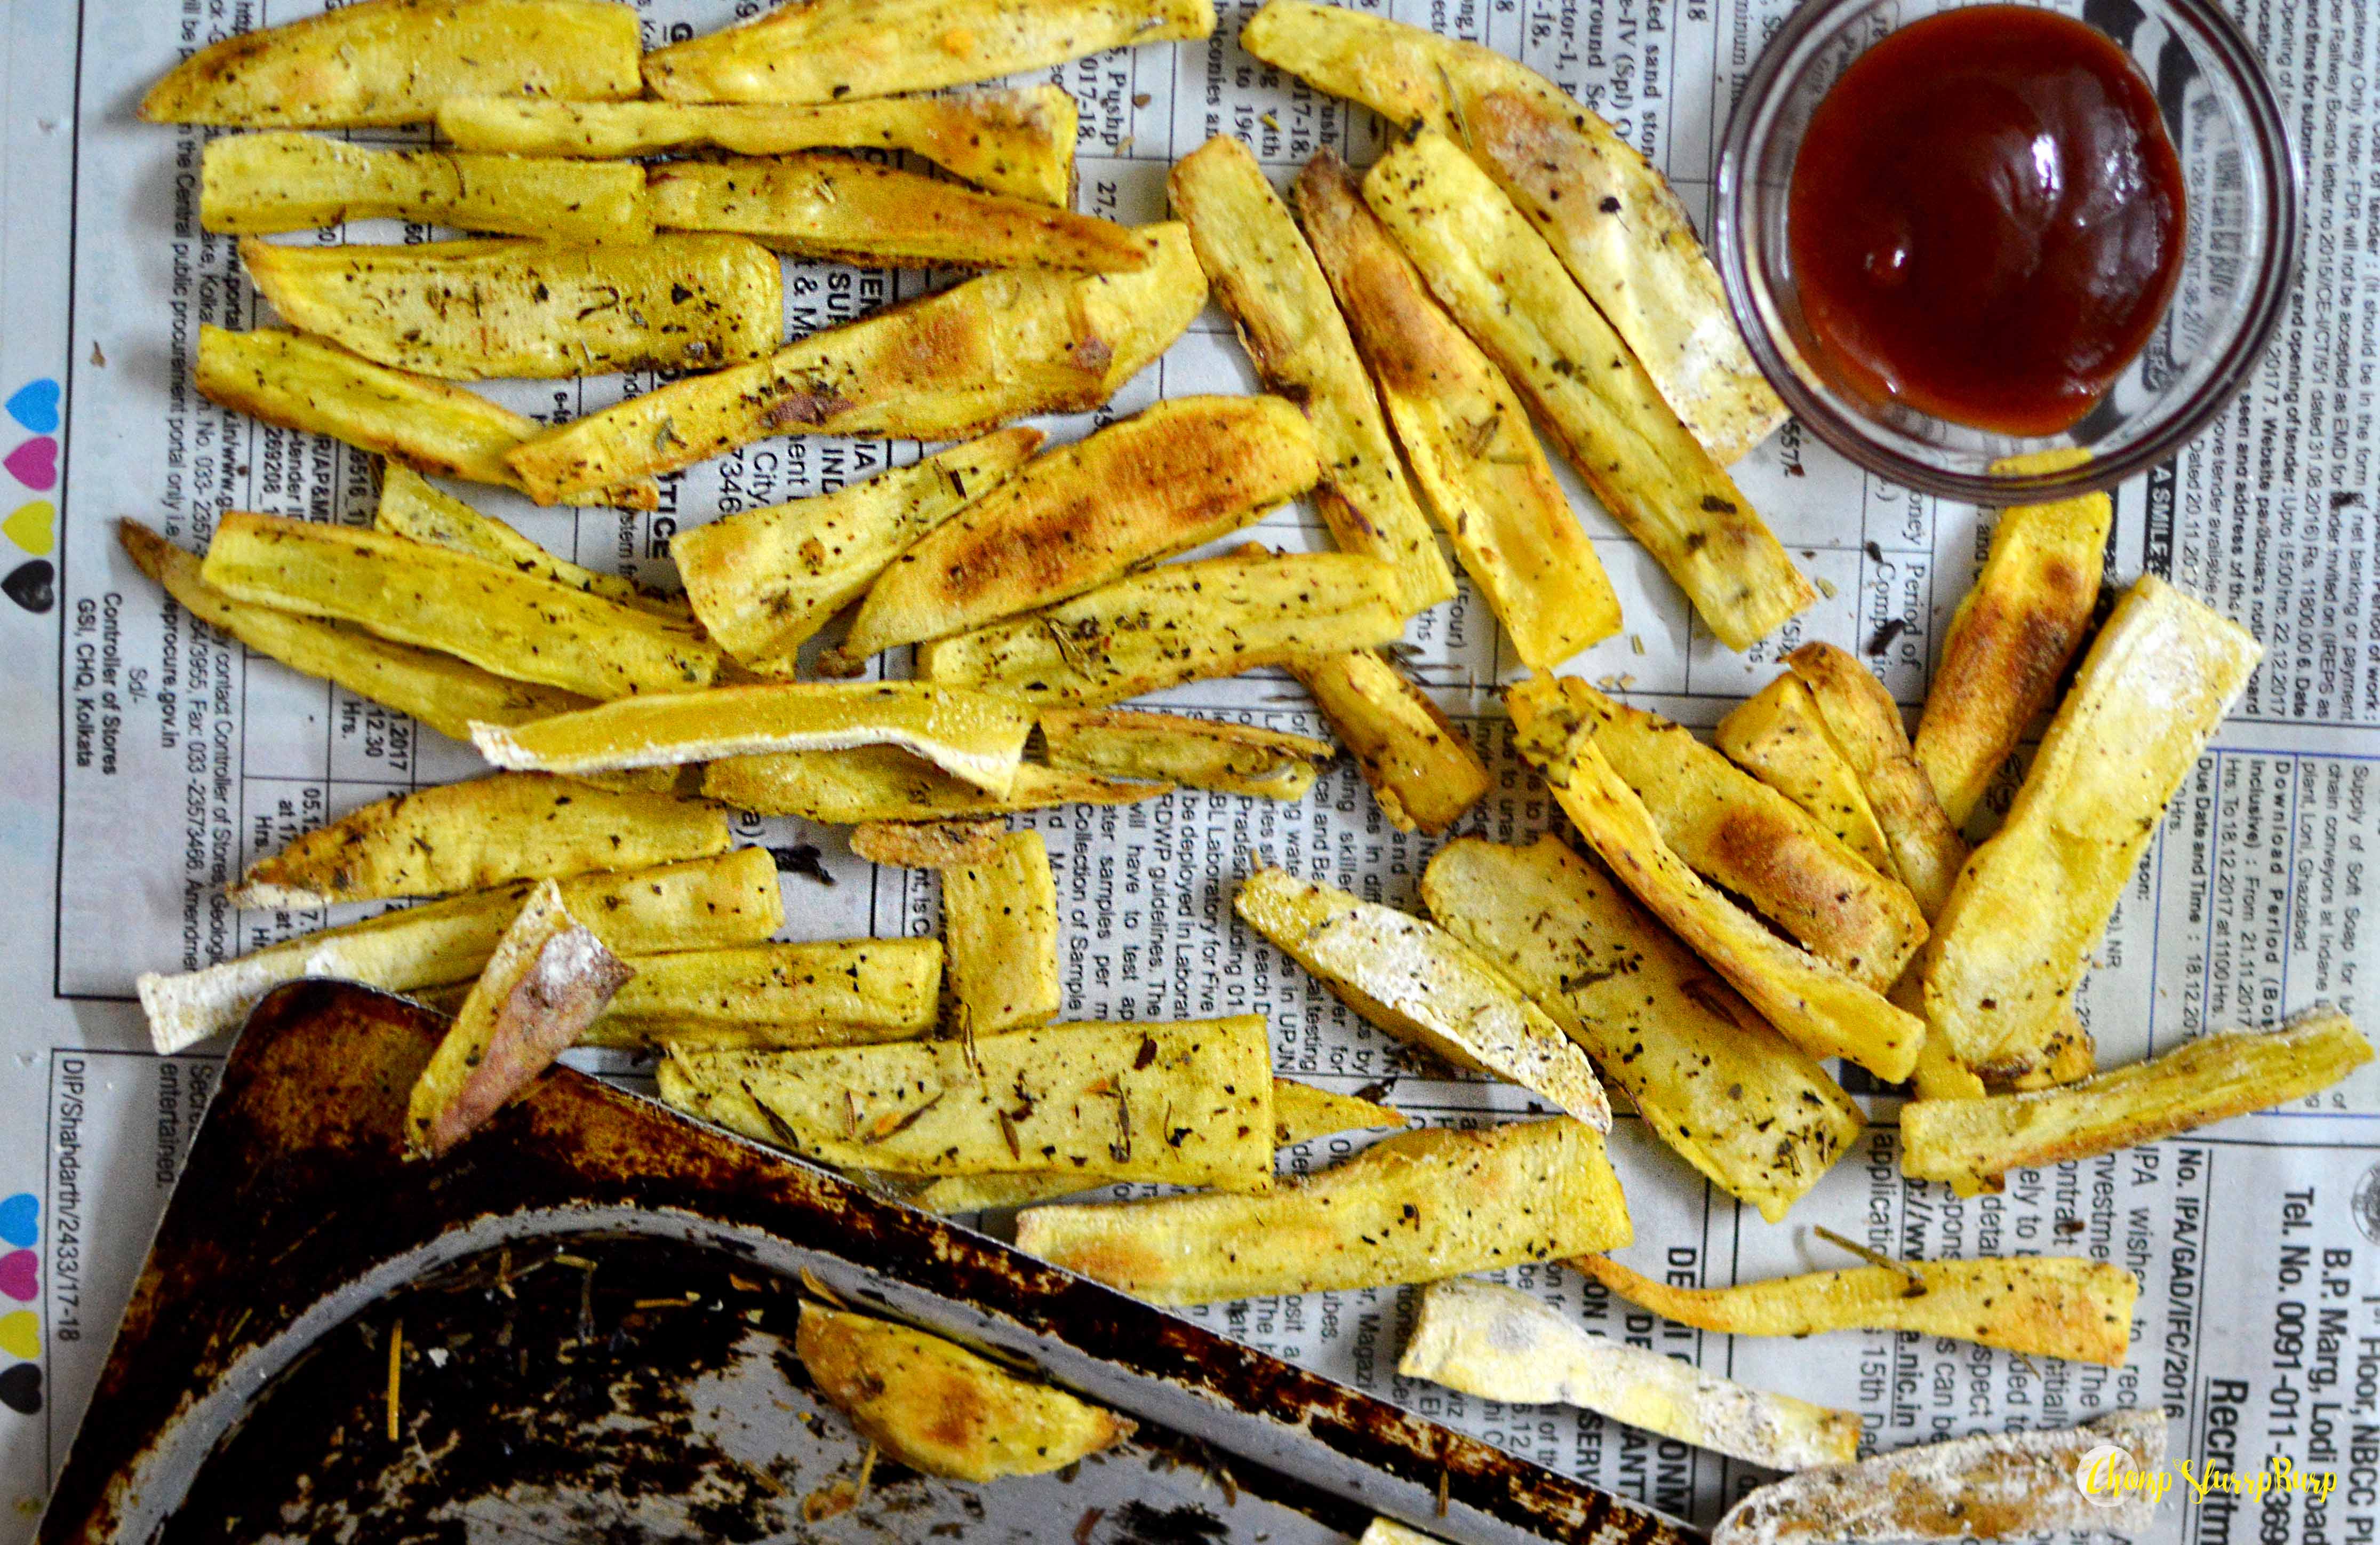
<point x="2217" y="37"/>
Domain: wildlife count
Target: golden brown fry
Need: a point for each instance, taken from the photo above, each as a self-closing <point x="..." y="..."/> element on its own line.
<point x="260" y="184"/>
<point x="1178" y="623"/>
<point x="478" y="310"/>
<point x="1992" y="1486"/>
<point x="2029" y="908"/>
<point x="1000" y="919"/>
<point x="872" y="48"/>
<point x="2010" y="641"/>
<point x="506" y="622"/>
<point x="1421" y="768"/>
<point x="1500" y="281"/>
<point x="940" y="1409"/>
<point x="1499" y="1344"/>
<point x="1418" y="1206"/>
<point x="824" y="206"/>
<point x="971" y="736"/>
<point x="1261" y="270"/>
<point x="952" y="365"/>
<point x="849" y="991"/>
<point x="1175" y="747"/>
<point x="1475" y="461"/>
<point x="1814" y="1006"/>
<point x="765" y="581"/>
<point x="1779" y="735"/>
<point x="732" y="899"/>
<point x="547" y="979"/>
<point x="1864" y="725"/>
<point x="927" y="844"/>
<point x="1611" y="217"/>
<point x="1423" y="985"/>
<point x="1740" y="833"/>
<point x="884" y="783"/>
<point x="1168" y="479"/>
<point x="2217" y="1076"/>
<point x="471" y="835"/>
<point x="305" y="383"/>
<point x="1016" y="142"/>
<point x="411" y="508"/>
<point x="1734" y="1098"/>
<point x="2043" y="1306"/>
<point x="385" y="62"/>
<point x="446" y="694"/>
<point x="1187" y="1103"/>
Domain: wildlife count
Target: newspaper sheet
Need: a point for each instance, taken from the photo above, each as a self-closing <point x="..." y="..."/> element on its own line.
<point x="145" y="763"/>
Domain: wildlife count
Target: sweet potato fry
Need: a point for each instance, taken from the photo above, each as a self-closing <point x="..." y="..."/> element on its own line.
<point x="1421" y="767"/>
<point x="1178" y="623"/>
<point x="547" y="979"/>
<point x="1476" y="462"/>
<point x="2043" y="1306"/>
<point x="2010" y="641"/>
<point x="1174" y="748"/>
<point x="847" y="991"/>
<point x="2210" y="1079"/>
<point x="1000" y="921"/>
<point x="469" y="836"/>
<point x="1267" y="280"/>
<point x="1414" y="1207"/>
<point x="1864" y="725"/>
<point x="1814" y="1006"/>
<point x="952" y="365"/>
<point x="765" y="581"/>
<point x="1712" y="1080"/>
<point x="480" y="310"/>
<point x="932" y="844"/>
<point x="820" y="205"/>
<point x="500" y="620"/>
<point x="304" y="383"/>
<point x="885" y="783"/>
<point x="1992" y="1486"/>
<point x="410" y="507"/>
<point x="1015" y="142"/>
<point x="1507" y="289"/>
<point x="1778" y="736"/>
<point x="2030" y="905"/>
<point x="971" y="736"/>
<point x="260" y="184"/>
<point x="1187" y="1103"/>
<point x="872" y="48"/>
<point x="1423" y="985"/>
<point x="940" y="1409"/>
<point x="732" y="899"/>
<point x="1499" y="1344"/>
<point x="385" y="62"/>
<point x="1737" y="832"/>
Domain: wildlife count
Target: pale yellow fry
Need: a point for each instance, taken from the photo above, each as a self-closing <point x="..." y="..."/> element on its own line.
<point x="1009" y="344"/>
<point x="431" y="426"/>
<point x="411" y="506"/>
<point x="259" y="184"/>
<point x="1421" y="767"/>
<point x="2043" y="1306"/>
<point x="1000" y="921"/>
<point x="867" y="988"/>
<point x="1864" y="725"/>
<point x="385" y="62"/>
<point x="1499" y="1344"/>
<point x="1175" y="747"/>
<point x="2012" y="940"/>
<point x="2210" y="1079"/>
<point x="873" y="48"/>
<point x="485" y="308"/>
<point x="1019" y="143"/>
<point x="885" y="783"/>
<point x="1178" y="623"/>
<point x="1262" y="271"/>
<point x="1476" y="462"/>
<point x="503" y="621"/>
<point x="968" y="735"/>
<point x="765" y="581"/>
<point x="1500" y="281"/>
<point x="838" y="207"/>
<point x="1779" y="735"/>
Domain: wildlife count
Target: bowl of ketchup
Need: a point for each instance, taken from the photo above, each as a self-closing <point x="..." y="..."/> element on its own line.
<point x="2007" y="252"/>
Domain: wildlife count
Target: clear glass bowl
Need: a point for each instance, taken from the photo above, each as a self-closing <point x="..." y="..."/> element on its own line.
<point x="2241" y="240"/>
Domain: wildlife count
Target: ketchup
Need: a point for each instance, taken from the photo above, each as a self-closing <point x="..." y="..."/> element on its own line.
<point x="1986" y="218"/>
